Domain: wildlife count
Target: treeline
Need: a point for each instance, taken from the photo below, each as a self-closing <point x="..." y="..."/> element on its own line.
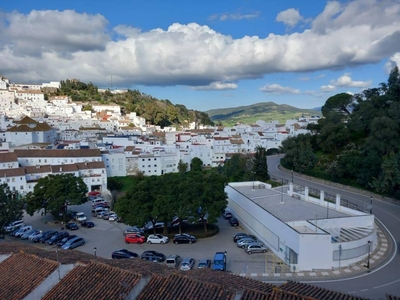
<point x="157" y="112"/>
<point x="356" y="143"/>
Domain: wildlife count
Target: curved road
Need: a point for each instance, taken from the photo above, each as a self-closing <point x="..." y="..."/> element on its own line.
<point x="384" y="279"/>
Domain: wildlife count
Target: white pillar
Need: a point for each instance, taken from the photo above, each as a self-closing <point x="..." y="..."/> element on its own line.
<point x="321" y="197"/>
<point x="337" y="201"/>
<point x="306" y="193"/>
<point x="291" y="189"/>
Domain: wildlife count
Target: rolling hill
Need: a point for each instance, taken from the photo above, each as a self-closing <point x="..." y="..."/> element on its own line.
<point x="267" y="111"/>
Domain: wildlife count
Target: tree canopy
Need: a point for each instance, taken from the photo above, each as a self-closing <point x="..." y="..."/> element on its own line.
<point x="53" y="192"/>
<point x="357" y="142"/>
<point x="195" y="195"/>
<point x="11" y="207"/>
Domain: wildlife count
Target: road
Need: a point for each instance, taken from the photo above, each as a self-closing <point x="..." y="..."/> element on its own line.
<point x="381" y="281"/>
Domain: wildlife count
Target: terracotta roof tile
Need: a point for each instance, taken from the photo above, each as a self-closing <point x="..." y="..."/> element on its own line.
<point x="12" y="172"/>
<point x="317" y="292"/>
<point x="175" y="287"/>
<point x="8" y="157"/>
<point x="83" y="280"/>
<point x="57" y="152"/>
<point x="91" y="165"/>
<point x="29" y="270"/>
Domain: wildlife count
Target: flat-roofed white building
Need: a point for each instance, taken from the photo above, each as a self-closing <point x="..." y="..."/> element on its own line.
<point x="305" y="232"/>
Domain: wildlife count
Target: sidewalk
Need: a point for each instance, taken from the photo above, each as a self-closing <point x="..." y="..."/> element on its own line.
<point x="377" y="258"/>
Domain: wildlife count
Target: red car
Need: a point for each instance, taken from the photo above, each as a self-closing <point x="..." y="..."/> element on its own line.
<point x="135" y="239"/>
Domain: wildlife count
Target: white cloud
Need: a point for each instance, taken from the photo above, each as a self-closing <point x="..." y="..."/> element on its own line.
<point x="346" y="81"/>
<point x="393" y="62"/>
<point x="289" y="17"/>
<point x="234" y="16"/>
<point x="219" y="86"/>
<point x="54" y="45"/>
<point x="278" y="89"/>
<point x="327" y="88"/>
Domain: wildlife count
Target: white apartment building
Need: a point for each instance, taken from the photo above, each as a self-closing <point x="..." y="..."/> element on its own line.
<point x="38" y="157"/>
<point x="7" y="100"/>
<point x="29" y="131"/>
<point x="33" y="95"/>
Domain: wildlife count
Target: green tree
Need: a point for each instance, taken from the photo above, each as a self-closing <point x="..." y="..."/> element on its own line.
<point x="53" y="192"/>
<point x="137" y="206"/>
<point x="11" y="207"/>
<point x="182" y="167"/>
<point x="388" y="180"/>
<point x="260" y="166"/>
<point x="196" y="164"/>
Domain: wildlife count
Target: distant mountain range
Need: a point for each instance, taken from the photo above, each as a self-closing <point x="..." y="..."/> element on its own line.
<point x="267" y="111"/>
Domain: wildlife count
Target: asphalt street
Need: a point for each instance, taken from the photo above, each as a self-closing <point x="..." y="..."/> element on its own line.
<point x="383" y="280"/>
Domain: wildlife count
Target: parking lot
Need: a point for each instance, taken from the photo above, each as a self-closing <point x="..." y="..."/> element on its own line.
<point x="107" y="236"/>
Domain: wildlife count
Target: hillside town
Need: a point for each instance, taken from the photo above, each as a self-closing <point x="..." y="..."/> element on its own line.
<point x="42" y="136"/>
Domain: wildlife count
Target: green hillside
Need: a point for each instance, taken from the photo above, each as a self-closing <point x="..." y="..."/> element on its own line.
<point x="267" y="111"/>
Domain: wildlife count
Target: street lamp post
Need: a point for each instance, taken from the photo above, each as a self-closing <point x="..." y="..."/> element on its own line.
<point x="292" y="176"/>
<point x="94" y="251"/>
<point x="253" y="178"/>
<point x="370" y="208"/>
<point x="369" y="254"/>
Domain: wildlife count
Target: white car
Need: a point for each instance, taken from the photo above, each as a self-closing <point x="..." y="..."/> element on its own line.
<point x="80" y="216"/>
<point x="157" y="239"/>
<point x="187" y="264"/>
<point x="23" y="230"/>
<point x="112" y="217"/>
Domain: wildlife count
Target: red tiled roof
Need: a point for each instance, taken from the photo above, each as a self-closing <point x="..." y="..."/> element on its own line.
<point x="316" y="292"/>
<point x="21" y="273"/>
<point x="8" y="157"/>
<point x="83" y="282"/>
<point x="177" y="286"/>
<point x="57" y="152"/>
<point x="12" y="172"/>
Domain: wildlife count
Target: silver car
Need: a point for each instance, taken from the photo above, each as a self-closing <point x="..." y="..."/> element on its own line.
<point x="187" y="264"/>
<point x="256" y="248"/>
<point x="242" y="243"/>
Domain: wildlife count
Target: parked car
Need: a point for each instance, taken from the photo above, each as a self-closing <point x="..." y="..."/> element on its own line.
<point x="23" y="230"/>
<point x="12" y="233"/>
<point x="227" y="215"/>
<point x="47" y="236"/>
<point x="112" y="217"/>
<point x="153" y="256"/>
<point x="71" y="226"/>
<point x="135" y="239"/>
<point x="255" y="248"/>
<point x="157" y="239"/>
<point x="246" y="241"/>
<point x="14" y="225"/>
<point x="87" y="224"/>
<point x="239" y="236"/>
<point x="101" y="214"/>
<point x="34" y="235"/>
<point x="26" y="235"/>
<point x="187" y="264"/>
<point x="106" y="215"/>
<point x="55" y="238"/>
<point x="173" y="261"/>
<point x="123" y="253"/>
<point x="133" y="229"/>
<point x="80" y="216"/>
<point x="204" y="263"/>
<point x="39" y="236"/>
<point x="64" y="240"/>
<point x="156" y="225"/>
<point x="233" y="221"/>
<point x="184" y="238"/>
<point x="73" y="243"/>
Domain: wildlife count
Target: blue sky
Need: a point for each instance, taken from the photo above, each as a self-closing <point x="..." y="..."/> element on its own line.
<point x="205" y="54"/>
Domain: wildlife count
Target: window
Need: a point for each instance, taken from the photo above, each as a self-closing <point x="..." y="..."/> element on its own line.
<point x="12" y="179"/>
<point x="155" y="166"/>
<point x="21" y="187"/>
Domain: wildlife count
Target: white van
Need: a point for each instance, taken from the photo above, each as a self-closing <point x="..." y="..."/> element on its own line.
<point x="97" y="201"/>
<point x="80" y="216"/>
<point x="14" y="225"/>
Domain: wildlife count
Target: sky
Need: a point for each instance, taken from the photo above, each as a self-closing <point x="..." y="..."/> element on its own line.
<point x="205" y="54"/>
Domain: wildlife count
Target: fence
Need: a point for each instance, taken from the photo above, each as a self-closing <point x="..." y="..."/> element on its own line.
<point x="351" y="253"/>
